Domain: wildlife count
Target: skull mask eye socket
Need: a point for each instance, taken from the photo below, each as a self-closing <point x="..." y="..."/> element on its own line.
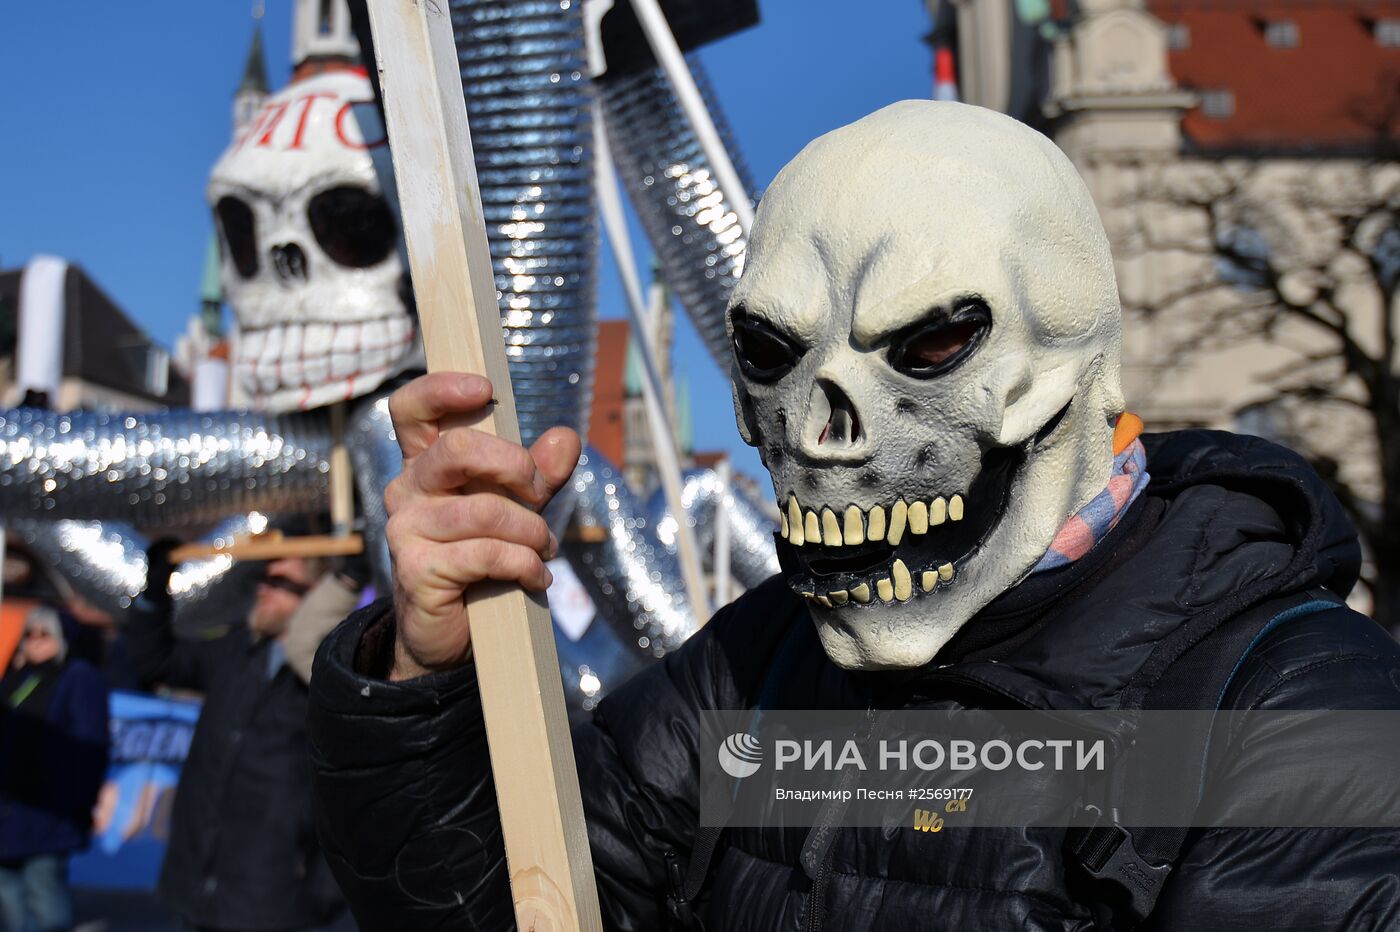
<point x="352" y="226"/>
<point x="240" y="234"/>
<point x="764" y="354"/>
<point x="932" y="348"/>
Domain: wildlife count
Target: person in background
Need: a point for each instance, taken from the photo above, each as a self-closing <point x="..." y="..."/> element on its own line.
<point x="243" y="852"/>
<point x="53" y="758"/>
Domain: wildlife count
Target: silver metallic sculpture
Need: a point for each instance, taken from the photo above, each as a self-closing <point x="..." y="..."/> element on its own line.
<point x="690" y="225"/>
<point x="752" y="557"/>
<point x="629" y="574"/>
<point x="105" y="563"/>
<point x="176" y="467"/>
<point x="526" y="88"/>
<point x="79" y="485"/>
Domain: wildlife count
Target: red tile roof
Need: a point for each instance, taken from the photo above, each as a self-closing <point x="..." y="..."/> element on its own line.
<point x="1338" y="89"/>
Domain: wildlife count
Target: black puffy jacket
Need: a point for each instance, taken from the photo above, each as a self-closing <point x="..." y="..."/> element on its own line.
<point x="405" y="800"/>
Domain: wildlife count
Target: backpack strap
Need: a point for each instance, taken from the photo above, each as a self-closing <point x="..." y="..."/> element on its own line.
<point x="1130" y="865"/>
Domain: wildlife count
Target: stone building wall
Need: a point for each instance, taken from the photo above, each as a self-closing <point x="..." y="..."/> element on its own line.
<point x="1204" y="345"/>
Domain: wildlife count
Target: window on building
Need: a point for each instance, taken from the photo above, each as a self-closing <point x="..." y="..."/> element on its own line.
<point x="1178" y="37"/>
<point x="1388" y="33"/>
<point x="1218" y="103"/>
<point x="1281" y="33"/>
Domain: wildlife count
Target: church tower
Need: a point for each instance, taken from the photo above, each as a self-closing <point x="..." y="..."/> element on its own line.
<point x="252" y="90"/>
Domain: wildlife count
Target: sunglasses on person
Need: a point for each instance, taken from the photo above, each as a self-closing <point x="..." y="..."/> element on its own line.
<point x="286" y="585"/>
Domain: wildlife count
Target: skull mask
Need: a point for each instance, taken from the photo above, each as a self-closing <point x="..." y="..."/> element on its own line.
<point x="927" y="343"/>
<point x="313" y="263"/>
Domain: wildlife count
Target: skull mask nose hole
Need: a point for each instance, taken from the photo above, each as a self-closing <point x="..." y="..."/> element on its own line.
<point x="834" y="417"/>
<point x="290" y="262"/>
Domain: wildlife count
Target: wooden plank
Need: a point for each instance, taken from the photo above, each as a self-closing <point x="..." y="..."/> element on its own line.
<point x="551" y="869"/>
<point x="342" y="475"/>
<point x="273" y="547"/>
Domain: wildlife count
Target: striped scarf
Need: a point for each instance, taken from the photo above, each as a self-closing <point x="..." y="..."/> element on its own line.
<point x="1088" y="526"/>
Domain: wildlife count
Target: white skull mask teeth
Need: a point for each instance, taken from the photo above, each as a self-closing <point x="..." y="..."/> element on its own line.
<point x="312" y="257"/>
<point x="927" y="347"/>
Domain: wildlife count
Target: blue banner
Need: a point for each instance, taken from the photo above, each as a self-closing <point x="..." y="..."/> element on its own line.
<point x="150" y="738"/>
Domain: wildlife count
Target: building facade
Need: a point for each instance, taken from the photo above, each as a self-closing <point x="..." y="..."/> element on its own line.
<point x="106" y="361"/>
<point x="618" y="423"/>
<point x="1242" y="156"/>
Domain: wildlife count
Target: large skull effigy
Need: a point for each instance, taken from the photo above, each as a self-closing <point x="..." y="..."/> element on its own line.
<point x="313" y="268"/>
<point x="312" y="259"/>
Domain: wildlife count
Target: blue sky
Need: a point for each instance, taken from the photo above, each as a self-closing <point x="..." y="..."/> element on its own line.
<point x="112" y="114"/>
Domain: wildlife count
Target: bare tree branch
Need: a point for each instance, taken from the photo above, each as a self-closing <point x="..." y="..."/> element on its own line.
<point x="1273" y="291"/>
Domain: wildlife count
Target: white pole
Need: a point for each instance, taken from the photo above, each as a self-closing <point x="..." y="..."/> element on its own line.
<point x="662" y="437"/>
<point x="724" y="473"/>
<point x="656" y="307"/>
<point x="672" y="60"/>
<point x="42" y="308"/>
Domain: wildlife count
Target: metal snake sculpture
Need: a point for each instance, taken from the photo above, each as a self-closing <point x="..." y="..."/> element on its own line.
<point x="78" y="486"/>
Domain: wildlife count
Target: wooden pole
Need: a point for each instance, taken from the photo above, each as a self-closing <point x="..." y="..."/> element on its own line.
<point x="272" y="546"/>
<point x="551" y="870"/>
<point x="342" y="476"/>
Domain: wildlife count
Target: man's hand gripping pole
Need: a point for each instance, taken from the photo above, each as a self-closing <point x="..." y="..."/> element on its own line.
<point x="551" y="871"/>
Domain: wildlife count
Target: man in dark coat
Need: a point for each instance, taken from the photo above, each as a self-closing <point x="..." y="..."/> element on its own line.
<point x="926" y="355"/>
<point x="242" y="853"/>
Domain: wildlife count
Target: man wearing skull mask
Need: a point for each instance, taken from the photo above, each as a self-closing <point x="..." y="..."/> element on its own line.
<point x="927" y="352"/>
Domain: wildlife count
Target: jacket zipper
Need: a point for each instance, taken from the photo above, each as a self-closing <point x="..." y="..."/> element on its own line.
<point x="816" y="906"/>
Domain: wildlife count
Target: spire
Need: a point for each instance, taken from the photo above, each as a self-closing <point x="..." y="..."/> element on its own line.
<point x="252" y="91"/>
<point x="255" y="71"/>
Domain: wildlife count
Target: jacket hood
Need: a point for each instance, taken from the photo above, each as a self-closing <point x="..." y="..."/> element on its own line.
<point x="1238" y="521"/>
<point x="1327" y="552"/>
